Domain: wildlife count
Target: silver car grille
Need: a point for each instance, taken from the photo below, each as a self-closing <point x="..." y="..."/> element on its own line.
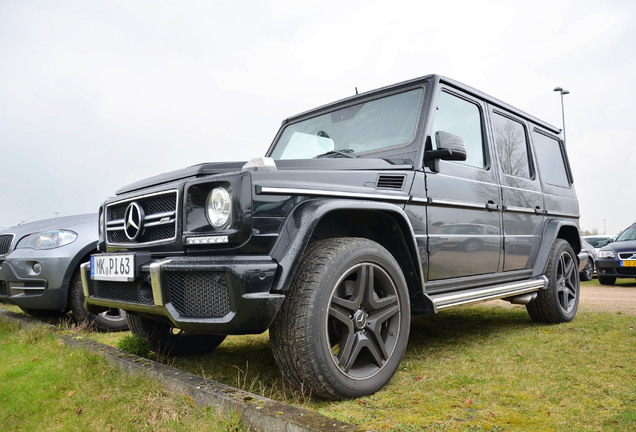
<point x="142" y="220"/>
<point x="5" y="243"/>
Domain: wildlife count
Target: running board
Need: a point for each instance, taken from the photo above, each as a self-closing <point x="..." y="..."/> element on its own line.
<point x="477" y="295"/>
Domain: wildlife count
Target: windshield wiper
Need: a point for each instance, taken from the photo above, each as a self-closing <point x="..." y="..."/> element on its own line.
<point x="338" y="153"/>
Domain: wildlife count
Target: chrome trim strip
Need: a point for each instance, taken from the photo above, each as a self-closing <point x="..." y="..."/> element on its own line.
<point x="452" y="203"/>
<point x="514" y="209"/>
<point x="155" y="281"/>
<point x="85" y="268"/>
<point x="320" y="192"/>
<point x="568" y="215"/>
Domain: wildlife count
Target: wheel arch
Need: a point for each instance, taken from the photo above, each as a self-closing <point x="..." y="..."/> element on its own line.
<point x="80" y="257"/>
<point x="384" y="223"/>
<point x="554" y="229"/>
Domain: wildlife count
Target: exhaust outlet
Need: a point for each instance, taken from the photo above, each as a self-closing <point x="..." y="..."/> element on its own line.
<point x="523" y="299"/>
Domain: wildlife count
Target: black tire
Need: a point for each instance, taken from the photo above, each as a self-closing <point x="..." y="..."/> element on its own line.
<point x="166" y="340"/>
<point x="607" y="280"/>
<point x="344" y="325"/>
<point x="111" y="320"/>
<point x="588" y="272"/>
<point x="560" y="300"/>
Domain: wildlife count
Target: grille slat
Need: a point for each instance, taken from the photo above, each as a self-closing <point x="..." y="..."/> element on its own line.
<point x="4" y="290"/>
<point x="199" y="294"/>
<point x="124" y="291"/>
<point x="390" y="182"/>
<point x="5" y="243"/>
<point x="159" y="224"/>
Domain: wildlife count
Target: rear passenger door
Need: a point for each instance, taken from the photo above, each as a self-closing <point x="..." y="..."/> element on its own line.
<point x="464" y="201"/>
<point x="522" y="198"/>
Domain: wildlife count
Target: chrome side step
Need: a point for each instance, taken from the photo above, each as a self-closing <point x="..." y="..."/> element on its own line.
<point x="477" y="295"/>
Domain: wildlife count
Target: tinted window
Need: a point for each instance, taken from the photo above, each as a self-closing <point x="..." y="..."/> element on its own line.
<point x="461" y="118"/>
<point x="512" y="147"/>
<point x="550" y="160"/>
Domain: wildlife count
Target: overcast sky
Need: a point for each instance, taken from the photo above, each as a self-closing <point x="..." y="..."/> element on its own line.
<point x="98" y="94"/>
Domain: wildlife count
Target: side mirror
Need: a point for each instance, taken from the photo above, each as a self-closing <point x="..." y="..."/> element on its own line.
<point x="449" y="147"/>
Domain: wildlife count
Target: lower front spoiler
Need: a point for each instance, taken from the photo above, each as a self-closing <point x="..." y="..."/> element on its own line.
<point x="199" y="295"/>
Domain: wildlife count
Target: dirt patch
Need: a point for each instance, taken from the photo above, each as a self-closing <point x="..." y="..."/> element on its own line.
<point x="609" y="298"/>
<point x="617" y="299"/>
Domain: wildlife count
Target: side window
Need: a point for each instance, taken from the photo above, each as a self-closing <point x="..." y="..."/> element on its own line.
<point x="512" y="146"/>
<point x="462" y="118"/>
<point x="550" y="160"/>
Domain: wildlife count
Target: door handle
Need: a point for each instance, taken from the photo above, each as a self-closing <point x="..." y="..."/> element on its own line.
<point x="490" y="206"/>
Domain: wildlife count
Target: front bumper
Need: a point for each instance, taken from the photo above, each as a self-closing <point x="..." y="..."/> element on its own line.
<point x="215" y="295"/>
<point x="613" y="267"/>
<point x="35" y="281"/>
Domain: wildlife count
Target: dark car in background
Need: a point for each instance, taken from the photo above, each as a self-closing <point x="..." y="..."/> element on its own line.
<point x="39" y="269"/>
<point x="618" y="258"/>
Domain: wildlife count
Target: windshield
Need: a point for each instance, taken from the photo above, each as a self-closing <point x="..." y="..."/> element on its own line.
<point x="370" y="126"/>
<point x="628" y="234"/>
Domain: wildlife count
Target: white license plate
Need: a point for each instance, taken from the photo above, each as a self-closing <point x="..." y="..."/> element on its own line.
<point x="115" y="267"/>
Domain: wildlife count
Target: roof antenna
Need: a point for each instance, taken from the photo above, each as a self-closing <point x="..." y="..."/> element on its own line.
<point x="356" y="90"/>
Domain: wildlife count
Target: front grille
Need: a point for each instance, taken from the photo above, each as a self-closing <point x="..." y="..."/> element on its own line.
<point x="5" y="243"/>
<point x="138" y="291"/>
<point x="4" y="290"/>
<point x="159" y="223"/>
<point x="199" y="294"/>
<point x="627" y="255"/>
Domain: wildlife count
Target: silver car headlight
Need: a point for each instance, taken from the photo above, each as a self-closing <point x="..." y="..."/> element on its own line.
<point x="606" y="254"/>
<point x="219" y="207"/>
<point x="47" y="239"/>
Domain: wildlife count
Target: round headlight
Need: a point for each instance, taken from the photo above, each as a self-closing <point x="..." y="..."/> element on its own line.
<point x="219" y="207"/>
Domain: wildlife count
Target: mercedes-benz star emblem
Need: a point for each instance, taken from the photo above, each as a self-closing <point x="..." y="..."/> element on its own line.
<point x="133" y="221"/>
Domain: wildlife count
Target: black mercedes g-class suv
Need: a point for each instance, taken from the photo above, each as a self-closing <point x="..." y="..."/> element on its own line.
<point x="412" y="198"/>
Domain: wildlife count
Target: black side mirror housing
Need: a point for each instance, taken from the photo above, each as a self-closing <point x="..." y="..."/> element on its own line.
<point x="449" y="147"/>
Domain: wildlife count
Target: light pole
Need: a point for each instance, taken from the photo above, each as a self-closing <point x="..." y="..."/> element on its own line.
<point x="563" y="92"/>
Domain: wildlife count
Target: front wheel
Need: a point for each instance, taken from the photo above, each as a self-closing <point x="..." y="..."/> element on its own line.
<point x="110" y="320"/>
<point x="607" y="280"/>
<point x="167" y="340"/>
<point x="560" y="300"/>
<point x="344" y="325"/>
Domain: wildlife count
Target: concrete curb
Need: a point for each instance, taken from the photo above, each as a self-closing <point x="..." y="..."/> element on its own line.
<point x="257" y="412"/>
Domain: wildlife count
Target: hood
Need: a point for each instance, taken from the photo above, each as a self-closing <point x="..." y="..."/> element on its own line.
<point x="621" y="246"/>
<point x="192" y="171"/>
<point x="64" y="222"/>
<point x="291" y="164"/>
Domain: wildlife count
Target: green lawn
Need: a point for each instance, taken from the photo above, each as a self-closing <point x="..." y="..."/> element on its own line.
<point x="481" y="368"/>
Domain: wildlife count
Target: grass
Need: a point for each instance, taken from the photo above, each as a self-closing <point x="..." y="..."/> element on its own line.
<point x="482" y="368"/>
<point x="45" y="386"/>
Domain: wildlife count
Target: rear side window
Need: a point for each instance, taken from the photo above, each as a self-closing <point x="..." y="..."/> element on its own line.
<point x="462" y="118"/>
<point x="512" y="146"/>
<point x="550" y="160"/>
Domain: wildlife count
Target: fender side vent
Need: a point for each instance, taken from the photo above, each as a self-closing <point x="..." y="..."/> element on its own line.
<point x="390" y="182"/>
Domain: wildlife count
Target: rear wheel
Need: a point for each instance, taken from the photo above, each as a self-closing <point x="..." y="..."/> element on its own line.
<point x="344" y="325"/>
<point x="560" y="300"/>
<point x="607" y="280"/>
<point x="110" y="320"/>
<point x="166" y="340"/>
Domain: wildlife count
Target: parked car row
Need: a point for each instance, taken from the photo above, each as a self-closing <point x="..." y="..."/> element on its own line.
<point x="39" y="269"/>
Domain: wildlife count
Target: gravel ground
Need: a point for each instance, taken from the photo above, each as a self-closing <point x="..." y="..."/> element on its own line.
<point x="609" y="298"/>
<point x="600" y="298"/>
